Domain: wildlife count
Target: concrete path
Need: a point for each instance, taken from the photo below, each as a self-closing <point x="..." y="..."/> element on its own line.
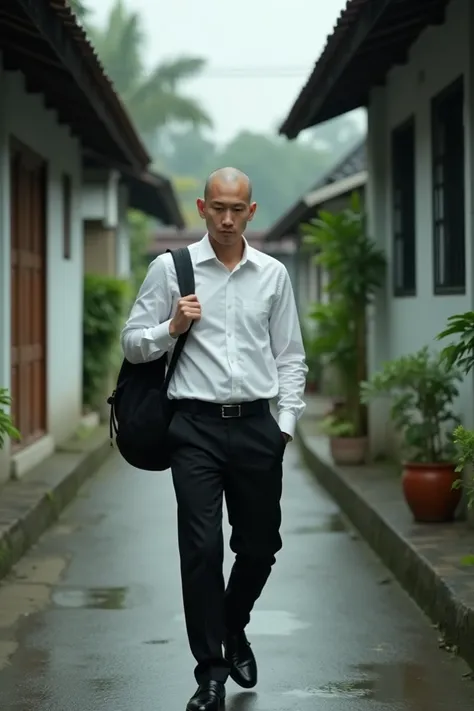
<point x="91" y="619"/>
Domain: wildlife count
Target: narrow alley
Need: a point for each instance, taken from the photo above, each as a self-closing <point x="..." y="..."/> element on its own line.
<point x="91" y="619"/>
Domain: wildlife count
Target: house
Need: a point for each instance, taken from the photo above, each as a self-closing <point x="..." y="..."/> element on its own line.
<point x="332" y="192"/>
<point x="108" y="193"/>
<point x="58" y="114"/>
<point x="411" y="64"/>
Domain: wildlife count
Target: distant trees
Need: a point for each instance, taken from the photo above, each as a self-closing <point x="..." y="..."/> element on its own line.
<point x="173" y="125"/>
<point x="281" y="171"/>
<point x="79" y="9"/>
<point x="153" y="98"/>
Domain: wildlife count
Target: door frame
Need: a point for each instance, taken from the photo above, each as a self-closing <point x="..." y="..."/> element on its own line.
<point x="32" y="159"/>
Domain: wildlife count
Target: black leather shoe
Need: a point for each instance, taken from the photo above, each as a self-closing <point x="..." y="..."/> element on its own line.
<point x="209" y="697"/>
<point x="243" y="667"/>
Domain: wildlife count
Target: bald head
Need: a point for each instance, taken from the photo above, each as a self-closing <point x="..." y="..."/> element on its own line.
<point x="229" y="178"/>
<point x="227" y="206"/>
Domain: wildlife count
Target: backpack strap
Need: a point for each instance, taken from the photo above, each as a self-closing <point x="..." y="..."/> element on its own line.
<point x="185" y="275"/>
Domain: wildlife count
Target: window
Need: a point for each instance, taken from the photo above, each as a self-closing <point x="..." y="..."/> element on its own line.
<point x="66" y="194"/>
<point x="447" y="127"/>
<point x="403" y="197"/>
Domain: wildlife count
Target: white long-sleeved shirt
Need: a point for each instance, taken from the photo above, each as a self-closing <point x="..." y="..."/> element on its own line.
<point x="247" y="345"/>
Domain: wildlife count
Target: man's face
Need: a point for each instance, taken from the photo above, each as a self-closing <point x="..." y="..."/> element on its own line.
<point x="226" y="210"/>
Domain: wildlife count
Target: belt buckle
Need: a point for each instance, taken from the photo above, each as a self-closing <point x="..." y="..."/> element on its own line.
<point x="225" y="408"/>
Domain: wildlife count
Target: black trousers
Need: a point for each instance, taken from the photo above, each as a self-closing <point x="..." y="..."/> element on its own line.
<point x="239" y="458"/>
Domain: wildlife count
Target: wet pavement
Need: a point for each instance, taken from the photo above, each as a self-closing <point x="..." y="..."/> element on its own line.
<point x="91" y="619"/>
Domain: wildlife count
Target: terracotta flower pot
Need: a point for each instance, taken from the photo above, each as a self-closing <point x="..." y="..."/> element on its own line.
<point x="348" y="451"/>
<point x="428" y="491"/>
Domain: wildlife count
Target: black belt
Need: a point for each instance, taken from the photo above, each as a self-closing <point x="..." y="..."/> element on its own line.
<point x="225" y="412"/>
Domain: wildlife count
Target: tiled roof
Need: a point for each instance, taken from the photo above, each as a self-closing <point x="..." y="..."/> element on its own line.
<point x="369" y="38"/>
<point x="43" y="40"/>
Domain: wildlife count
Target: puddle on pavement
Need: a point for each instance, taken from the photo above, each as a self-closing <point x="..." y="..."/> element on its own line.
<point x="243" y="701"/>
<point x="275" y="622"/>
<point x="278" y="623"/>
<point x="329" y="524"/>
<point x="91" y="598"/>
<point x="362" y="689"/>
<point x="387" y="683"/>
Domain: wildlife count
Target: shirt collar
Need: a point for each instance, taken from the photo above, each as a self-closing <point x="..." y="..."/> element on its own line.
<point x="206" y="252"/>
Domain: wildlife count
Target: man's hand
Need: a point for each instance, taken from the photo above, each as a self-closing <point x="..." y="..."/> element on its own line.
<point x="188" y="310"/>
<point x="286" y="437"/>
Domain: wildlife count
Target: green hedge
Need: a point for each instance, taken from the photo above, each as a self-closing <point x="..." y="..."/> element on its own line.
<point x="105" y="301"/>
<point x="6" y="425"/>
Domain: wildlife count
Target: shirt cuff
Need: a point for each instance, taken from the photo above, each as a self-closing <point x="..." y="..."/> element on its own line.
<point x="160" y="336"/>
<point x="287" y="423"/>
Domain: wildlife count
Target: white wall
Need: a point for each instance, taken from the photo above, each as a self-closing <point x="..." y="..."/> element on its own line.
<point x="24" y="116"/>
<point x="403" y="325"/>
<point x="123" y="235"/>
<point x="100" y="197"/>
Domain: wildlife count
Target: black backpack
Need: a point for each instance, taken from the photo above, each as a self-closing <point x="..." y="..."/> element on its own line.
<point x="141" y="412"/>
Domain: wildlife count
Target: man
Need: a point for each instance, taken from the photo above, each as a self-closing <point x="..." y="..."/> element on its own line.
<point x="244" y="349"/>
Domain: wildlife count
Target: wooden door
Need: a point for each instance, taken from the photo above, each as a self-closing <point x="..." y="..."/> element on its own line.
<point x="28" y="292"/>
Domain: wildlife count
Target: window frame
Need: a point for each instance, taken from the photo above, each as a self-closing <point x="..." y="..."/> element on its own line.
<point x="401" y="235"/>
<point x="66" y="192"/>
<point x="438" y="165"/>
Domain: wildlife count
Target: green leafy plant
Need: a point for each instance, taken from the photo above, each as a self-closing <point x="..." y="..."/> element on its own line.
<point x="335" y="345"/>
<point x="335" y="427"/>
<point x="141" y="236"/>
<point x="313" y="359"/>
<point x="423" y="389"/>
<point x="460" y="353"/>
<point x="356" y="270"/>
<point x="105" y="300"/>
<point x="6" y="425"/>
<point x="464" y="443"/>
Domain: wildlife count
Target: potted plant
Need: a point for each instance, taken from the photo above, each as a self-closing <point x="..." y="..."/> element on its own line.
<point x="356" y="269"/>
<point x="335" y="342"/>
<point x="345" y="447"/>
<point x="423" y="389"/>
<point x="460" y="354"/>
<point x="6" y="425"/>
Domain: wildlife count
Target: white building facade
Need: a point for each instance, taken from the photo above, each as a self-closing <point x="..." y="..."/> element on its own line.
<point x="41" y="257"/>
<point x="412" y="66"/>
<point x="420" y="195"/>
<point x="59" y="115"/>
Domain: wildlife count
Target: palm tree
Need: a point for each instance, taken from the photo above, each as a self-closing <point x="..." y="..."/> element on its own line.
<point x="153" y="99"/>
<point x="79" y="9"/>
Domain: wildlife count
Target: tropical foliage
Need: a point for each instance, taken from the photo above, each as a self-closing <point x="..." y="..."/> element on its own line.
<point x="459" y="353"/>
<point x="153" y="98"/>
<point x="79" y="9"/>
<point x="356" y="269"/>
<point x="6" y="425"/>
<point x="105" y="301"/>
<point x="422" y="389"/>
<point x="174" y="125"/>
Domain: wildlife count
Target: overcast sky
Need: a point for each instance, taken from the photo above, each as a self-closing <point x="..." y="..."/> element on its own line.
<point x="271" y="47"/>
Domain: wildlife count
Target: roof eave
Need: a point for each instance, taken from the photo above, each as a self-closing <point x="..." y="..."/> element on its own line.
<point x="338" y="56"/>
<point x="105" y="102"/>
<point x="154" y="195"/>
<point x="345" y="186"/>
<point x="287" y="224"/>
